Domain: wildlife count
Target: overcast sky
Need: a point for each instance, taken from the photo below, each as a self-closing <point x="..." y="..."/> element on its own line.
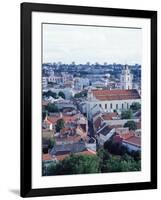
<point x="66" y="43"/>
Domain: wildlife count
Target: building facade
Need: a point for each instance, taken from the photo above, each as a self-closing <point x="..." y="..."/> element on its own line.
<point x="111" y="100"/>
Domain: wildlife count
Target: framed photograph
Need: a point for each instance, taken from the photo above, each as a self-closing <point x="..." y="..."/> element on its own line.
<point x="88" y="99"/>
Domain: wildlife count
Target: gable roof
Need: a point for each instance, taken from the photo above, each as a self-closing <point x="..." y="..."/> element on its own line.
<point x="70" y="148"/>
<point x="109" y="116"/>
<point x="104" y="131"/>
<point x="134" y="140"/>
<point x="108" y="95"/>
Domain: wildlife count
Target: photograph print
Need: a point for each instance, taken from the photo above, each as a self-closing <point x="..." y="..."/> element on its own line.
<point x="91" y="99"/>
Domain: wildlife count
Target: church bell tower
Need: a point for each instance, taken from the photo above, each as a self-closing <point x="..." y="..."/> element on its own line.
<point x="126" y="79"/>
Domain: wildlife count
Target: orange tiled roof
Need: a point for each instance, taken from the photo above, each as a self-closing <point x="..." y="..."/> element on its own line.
<point x="104" y="95"/>
<point x="109" y="116"/>
<point x="46" y="157"/>
<point x="62" y="157"/>
<point x="87" y="152"/>
<point x="127" y="135"/>
<point x="54" y="119"/>
<point x="135" y="140"/>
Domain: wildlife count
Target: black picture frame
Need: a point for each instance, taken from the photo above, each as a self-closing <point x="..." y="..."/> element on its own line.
<point x="26" y="102"/>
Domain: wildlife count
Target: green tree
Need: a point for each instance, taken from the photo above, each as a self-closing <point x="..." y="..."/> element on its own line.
<point x="75" y="164"/>
<point x="126" y="114"/>
<point x="135" y="106"/>
<point x="115" y="148"/>
<point x="131" y="125"/>
<point x="61" y="94"/>
<point x="122" y="164"/>
<point x="81" y="94"/>
<point x="52" y="142"/>
<point x="52" y="108"/>
<point x="59" y="125"/>
<point x="103" y="156"/>
<point x="50" y="94"/>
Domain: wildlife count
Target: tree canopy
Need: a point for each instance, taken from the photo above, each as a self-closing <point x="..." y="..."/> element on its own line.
<point x="50" y="93"/>
<point x="75" y="164"/>
<point x="103" y="162"/>
<point x="61" y="94"/>
<point x="51" y="107"/>
<point x="59" y="125"/>
<point x="131" y="125"/>
<point x="135" y="106"/>
<point x="126" y="114"/>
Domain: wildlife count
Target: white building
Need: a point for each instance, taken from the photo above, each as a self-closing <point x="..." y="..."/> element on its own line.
<point x="44" y="82"/>
<point x="105" y="134"/>
<point x="110" y="100"/>
<point x="79" y="83"/>
<point x="67" y="91"/>
<point x="51" y="78"/>
<point x="126" y="79"/>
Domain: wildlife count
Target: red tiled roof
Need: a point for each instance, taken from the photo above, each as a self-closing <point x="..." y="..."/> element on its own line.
<point x="97" y="122"/>
<point x="135" y="140"/>
<point x="54" y="119"/>
<point x="46" y="157"/>
<point x="105" y="94"/>
<point x="62" y="157"/>
<point x="109" y="116"/>
<point x="87" y="152"/>
<point x="127" y="135"/>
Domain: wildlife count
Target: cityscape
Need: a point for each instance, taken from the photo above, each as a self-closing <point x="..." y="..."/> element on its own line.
<point x="91" y="118"/>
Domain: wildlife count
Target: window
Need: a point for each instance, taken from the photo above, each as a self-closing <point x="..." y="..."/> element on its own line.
<point x="105" y="106"/>
<point x="116" y="106"/>
<point x="100" y="105"/>
<point x="111" y="105"/>
<point x="127" y="105"/>
<point x="122" y="106"/>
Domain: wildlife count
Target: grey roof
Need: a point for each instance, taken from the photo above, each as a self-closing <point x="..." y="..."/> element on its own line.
<point x="105" y="130"/>
<point x="70" y="148"/>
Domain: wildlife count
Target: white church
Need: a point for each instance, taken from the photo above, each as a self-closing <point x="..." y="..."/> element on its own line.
<point x="116" y="99"/>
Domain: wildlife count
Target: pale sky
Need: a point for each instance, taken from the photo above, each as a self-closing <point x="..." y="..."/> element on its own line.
<point x="82" y="44"/>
